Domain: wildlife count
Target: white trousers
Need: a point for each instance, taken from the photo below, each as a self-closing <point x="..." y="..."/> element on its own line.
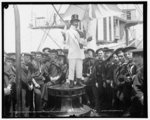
<point x="75" y="66"/>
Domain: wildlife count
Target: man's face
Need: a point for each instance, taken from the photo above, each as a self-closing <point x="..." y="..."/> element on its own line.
<point x="53" y="55"/>
<point x="100" y="54"/>
<point x="4" y="57"/>
<point x="46" y="51"/>
<point x="39" y="56"/>
<point x="61" y="61"/>
<point x="33" y="55"/>
<point x="115" y="58"/>
<point x="138" y="60"/>
<point x="107" y="54"/>
<point x="90" y="54"/>
<point x="86" y="54"/>
<point x="9" y="62"/>
<point x="128" y="55"/>
<point x="75" y="23"/>
<point x="121" y="57"/>
<point x="27" y="59"/>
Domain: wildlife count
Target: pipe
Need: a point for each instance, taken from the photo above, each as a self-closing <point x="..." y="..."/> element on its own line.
<point x="18" y="59"/>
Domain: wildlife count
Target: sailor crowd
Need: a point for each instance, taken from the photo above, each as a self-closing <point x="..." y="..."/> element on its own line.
<point x="113" y="80"/>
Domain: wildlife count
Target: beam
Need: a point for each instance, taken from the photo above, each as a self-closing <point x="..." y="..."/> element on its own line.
<point x="18" y="59"/>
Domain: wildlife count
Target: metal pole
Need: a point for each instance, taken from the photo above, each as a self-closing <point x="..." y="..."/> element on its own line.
<point x="127" y="35"/>
<point x="18" y="59"/>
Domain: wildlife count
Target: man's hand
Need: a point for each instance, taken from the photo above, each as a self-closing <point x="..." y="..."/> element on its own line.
<point x="104" y="84"/>
<point x="37" y="85"/>
<point x="142" y="100"/>
<point x="43" y="78"/>
<point x="108" y="81"/>
<point x="96" y="84"/>
<point x="64" y="35"/>
<point x="111" y="84"/>
<point x="7" y="91"/>
<point x="31" y="87"/>
<point x="49" y="83"/>
<point x="89" y="38"/>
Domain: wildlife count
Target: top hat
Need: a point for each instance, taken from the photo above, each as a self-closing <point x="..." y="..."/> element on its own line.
<point x="74" y="17"/>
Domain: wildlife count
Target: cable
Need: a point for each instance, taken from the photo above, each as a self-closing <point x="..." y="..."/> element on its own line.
<point x="53" y="40"/>
<point x="58" y="14"/>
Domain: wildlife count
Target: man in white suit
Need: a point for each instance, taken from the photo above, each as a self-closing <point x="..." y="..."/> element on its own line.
<point x="76" y="51"/>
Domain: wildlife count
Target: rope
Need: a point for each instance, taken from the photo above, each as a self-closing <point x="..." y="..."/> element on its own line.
<point x="53" y="40"/>
<point x="59" y="14"/>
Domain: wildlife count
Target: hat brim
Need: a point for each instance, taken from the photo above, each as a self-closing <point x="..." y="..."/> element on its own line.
<point x="74" y="20"/>
<point x="11" y="59"/>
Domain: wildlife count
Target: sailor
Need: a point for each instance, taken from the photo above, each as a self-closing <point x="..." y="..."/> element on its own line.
<point x="56" y="71"/>
<point x="53" y="55"/>
<point x="109" y="67"/>
<point x="9" y="86"/>
<point x="33" y="53"/>
<point x="26" y="84"/>
<point x="137" y="105"/>
<point x="38" y="81"/>
<point x="123" y="81"/>
<point x="108" y="52"/>
<point x="129" y="58"/>
<point x="88" y="64"/>
<point x="98" y="79"/>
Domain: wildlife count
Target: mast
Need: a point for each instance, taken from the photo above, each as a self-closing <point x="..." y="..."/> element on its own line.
<point x="18" y="59"/>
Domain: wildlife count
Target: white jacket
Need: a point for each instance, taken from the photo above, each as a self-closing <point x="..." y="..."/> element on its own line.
<point x="72" y="40"/>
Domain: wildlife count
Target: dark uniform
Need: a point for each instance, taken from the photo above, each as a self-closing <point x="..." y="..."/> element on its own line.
<point x="88" y="64"/>
<point x="56" y="71"/>
<point x="98" y="79"/>
<point x="109" y="83"/>
<point x="38" y="81"/>
<point x="124" y="75"/>
<point x="137" y="104"/>
<point x="9" y="81"/>
<point x="123" y="86"/>
<point x="27" y="93"/>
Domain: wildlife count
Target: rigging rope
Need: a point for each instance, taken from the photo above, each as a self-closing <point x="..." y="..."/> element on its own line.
<point x="59" y="14"/>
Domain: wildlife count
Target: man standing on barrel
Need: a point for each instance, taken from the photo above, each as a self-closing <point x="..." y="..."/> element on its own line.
<point x="75" y="40"/>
